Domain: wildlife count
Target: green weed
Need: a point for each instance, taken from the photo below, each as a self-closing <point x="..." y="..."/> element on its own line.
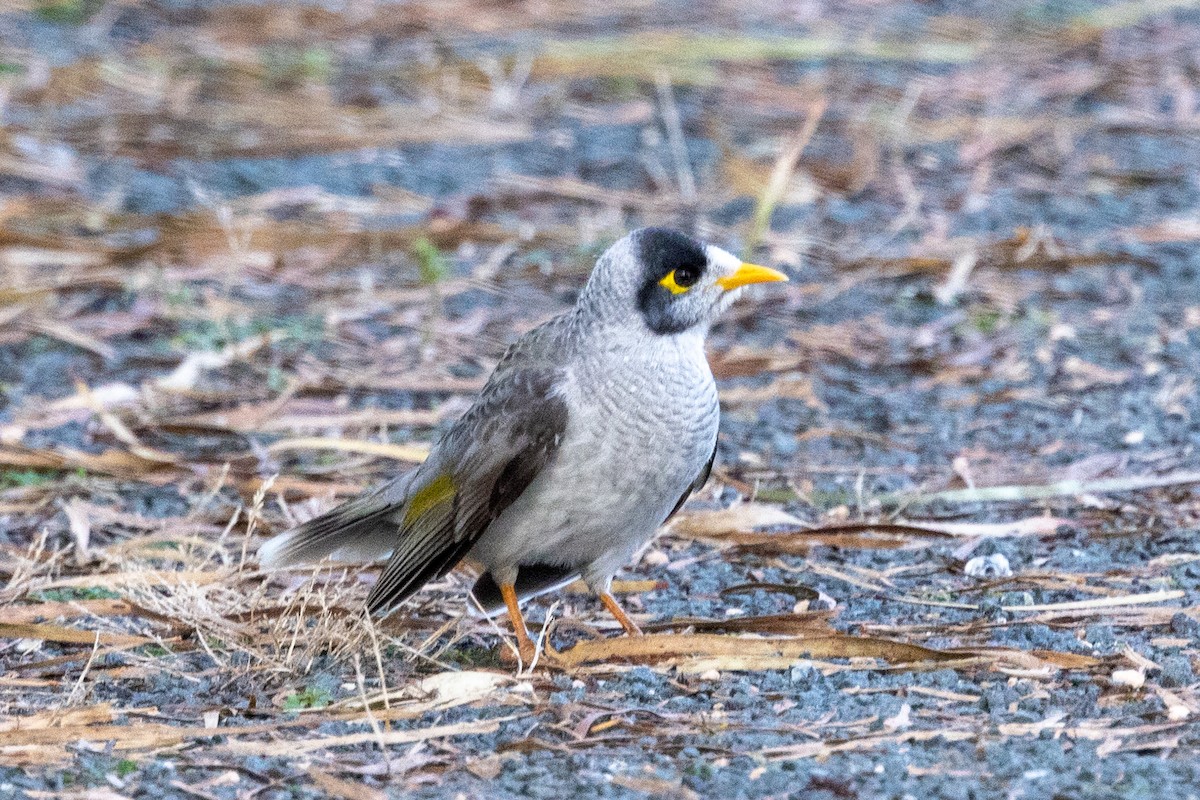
<point x="24" y="478"/>
<point x="76" y="593"/>
<point x="66" y="12"/>
<point x="431" y="262"/>
<point x="309" y="697"/>
<point x="291" y="65"/>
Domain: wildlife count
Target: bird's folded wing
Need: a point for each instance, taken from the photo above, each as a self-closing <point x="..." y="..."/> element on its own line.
<point x="697" y="484"/>
<point x="482" y="465"/>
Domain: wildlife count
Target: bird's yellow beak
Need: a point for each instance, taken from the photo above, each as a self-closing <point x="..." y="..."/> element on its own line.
<point x="750" y="273"/>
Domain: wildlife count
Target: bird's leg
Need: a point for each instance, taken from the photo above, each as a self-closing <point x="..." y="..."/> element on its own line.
<point x="525" y="645"/>
<point x="619" y="614"/>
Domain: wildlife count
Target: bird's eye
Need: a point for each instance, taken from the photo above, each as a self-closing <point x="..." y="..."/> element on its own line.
<point x="687" y="276"/>
<point x="680" y="279"/>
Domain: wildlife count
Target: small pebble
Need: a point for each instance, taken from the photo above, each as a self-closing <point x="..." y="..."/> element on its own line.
<point x="1133" y="678"/>
<point x="1061" y="332"/>
<point x="901" y="720"/>
<point x="1177" y="710"/>
<point x="993" y="566"/>
<point x="823" y="601"/>
<point x="655" y="558"/>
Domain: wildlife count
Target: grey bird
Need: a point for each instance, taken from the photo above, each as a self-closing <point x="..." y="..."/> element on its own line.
<point x="592" y="431"/>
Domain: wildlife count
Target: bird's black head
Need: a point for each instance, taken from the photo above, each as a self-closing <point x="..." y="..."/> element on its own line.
<point x="672" y="265"/>
<point x="665" y="282"/>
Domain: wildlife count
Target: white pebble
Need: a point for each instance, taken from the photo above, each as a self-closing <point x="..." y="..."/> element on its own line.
<point x="993" y="566"/>
<point x="901" y="721"/>
<point x="1133" y="678"/>
<point x="655" y="558"/>
<point x="1061" y="331"/>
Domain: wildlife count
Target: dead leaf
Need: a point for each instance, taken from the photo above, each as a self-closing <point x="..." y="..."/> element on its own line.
<point x="786" y="388"/>
<point x="655" y="787"/>
<point x="743" y="653"/>
<point x="741" y="361"/>
<point x="739" y="518"/>
<point x="57" y="329"/>
<point x="900" y="721"/>
<point x="81" y="529"/>
<point x="1067" y="660"/>
<point x="91" y="793"/>
<point x="1085" y="374"/>
<point x="349" y="790"/>
<point x="118" y="463"/>
<point x="1029" y="526"/>
<point x="45" y="745"/>
<point x="308" y="745"/>
<point x="1177" y="229"/>
<point x="1116" y="601"/>
<point x="1095" y="730"/>
<point x="100" y="713"/>
<point x="67" y="610"/>
<point x="618" y="587"/>
<point x="298" y="415"/>
<point x="486" y="768"/>
<point x="861" y="743"/>
<point x="731" y="529"/>
<point x="60" y="633"/>
<point x="413" y="454"/>
<point x="809" y="623"/>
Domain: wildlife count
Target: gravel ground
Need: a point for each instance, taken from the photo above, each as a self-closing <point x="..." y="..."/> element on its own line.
<point x="1046" y="156"/>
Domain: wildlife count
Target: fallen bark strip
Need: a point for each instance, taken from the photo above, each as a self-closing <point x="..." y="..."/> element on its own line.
<point x="400" y="452"/>
<point x="61" y="610"/>
<point x="703" y="651"/>
<point x="823" y="749"/>
<point x="1104" y="602"/>
<point x="284" y="748"/>
<point x="64" y="635"/>
<point x="660" y="647"/>
<point x="19" y="745"/>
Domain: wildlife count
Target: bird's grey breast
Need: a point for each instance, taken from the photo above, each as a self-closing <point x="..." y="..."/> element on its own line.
<point x="651" y="413"/>
<point x="641" y="425"/>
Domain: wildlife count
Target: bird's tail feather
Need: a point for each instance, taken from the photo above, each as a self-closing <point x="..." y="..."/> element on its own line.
<point x="533" y="580"/>
<point x="360" y="530"/>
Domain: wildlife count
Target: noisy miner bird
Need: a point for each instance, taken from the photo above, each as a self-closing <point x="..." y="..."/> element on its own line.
<point x="591" y="432"/>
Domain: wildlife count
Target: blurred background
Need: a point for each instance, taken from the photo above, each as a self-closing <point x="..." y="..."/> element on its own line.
<point x="235" y="222"/>
<point x="254" y="255"/>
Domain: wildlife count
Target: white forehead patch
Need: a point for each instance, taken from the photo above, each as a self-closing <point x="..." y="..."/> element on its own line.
<point x="726" y="263"/>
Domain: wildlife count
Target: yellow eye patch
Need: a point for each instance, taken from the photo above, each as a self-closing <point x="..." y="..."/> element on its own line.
<point x="672" y="286"/>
